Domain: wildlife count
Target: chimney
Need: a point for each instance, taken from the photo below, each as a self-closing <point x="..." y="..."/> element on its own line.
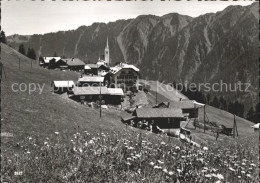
<point x="180" y="99"/>
<point x="72" y="59"/>
<point x="168" y="105"/>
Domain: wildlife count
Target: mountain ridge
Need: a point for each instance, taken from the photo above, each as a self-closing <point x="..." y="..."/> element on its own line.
<point x="173" y="47"/>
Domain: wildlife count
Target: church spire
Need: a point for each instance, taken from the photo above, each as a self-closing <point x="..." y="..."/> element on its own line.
<point x="107" y="53"/>
<point x="107" y="41"/>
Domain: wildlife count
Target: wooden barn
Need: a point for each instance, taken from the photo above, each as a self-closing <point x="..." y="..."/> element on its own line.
<point x="74" y="64"/>
<point x="96" y="69"/>
<point x="114" y="96"/>
<point x="92" y="94"/>
<point x="188" y="106"/>
<point x="63" y="86"/>
<point x="87" y="70"/>
<point x="59" y="64"/>
<point x="91" y="81"/>
<point x="165" y="118"/>
<point x="49" y="61"/>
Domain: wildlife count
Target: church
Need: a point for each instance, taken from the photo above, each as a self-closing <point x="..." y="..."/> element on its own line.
<point x="122" y="75"/>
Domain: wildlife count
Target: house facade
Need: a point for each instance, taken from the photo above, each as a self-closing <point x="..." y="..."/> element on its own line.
<point x="123" y="76"/>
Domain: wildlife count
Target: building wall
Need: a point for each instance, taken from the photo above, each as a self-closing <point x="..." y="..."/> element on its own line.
<point x="126" y="76"/>
<point x="164" y="123"/>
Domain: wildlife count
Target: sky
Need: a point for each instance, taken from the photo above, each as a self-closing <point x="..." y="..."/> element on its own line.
<point x="28" y="17"/>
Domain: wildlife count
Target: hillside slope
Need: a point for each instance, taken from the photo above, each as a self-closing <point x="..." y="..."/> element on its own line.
<point x="24" y="113"/>
<point x="45" y="113"/>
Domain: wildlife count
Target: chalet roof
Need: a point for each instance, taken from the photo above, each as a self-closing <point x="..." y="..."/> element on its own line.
<point x="256" y="126"/>
<point x="96" y="91"/>
<point x="162" y="104"/>
<point x="48" y="59"/>
<point x="87" y="67"/>
<point x="89" y="90"/>
<point x="121" y="66"/>
<point x="115" y="91"/>
<point x="63" y="84"/>
<point x="185" y="104"/>
<point x="93" y="66"/>
<point x="127" y="117"/>
<point x="159" y="113"/>
<point x="94" y="79"/>
<point x="73" y="61"/>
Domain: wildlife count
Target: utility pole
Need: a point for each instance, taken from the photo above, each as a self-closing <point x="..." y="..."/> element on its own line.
<point x="100" y="100"/>
<point x="156" y="92"/>
<point x="3" y="70"/>
<point x="235" y="127"/>
<point x="204" y="118"/>
<point x="31" y="63"/>
<point x="19" y="63"/>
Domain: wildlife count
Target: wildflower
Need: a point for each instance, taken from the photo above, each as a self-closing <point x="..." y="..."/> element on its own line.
<point x="128" y="163"/>
<point x="252" y="164"/>
<point x="205" y="149"/>
<point x="138" y="155"/>
<point x="45" y="143"/>
<point x="151" y="163"/>
<point x="131" y="148"/>
<point x="160" y="162"/>
<point x="30" y="138"/>
<point x="28" y="152"/>
<point x="80" y="150"/>
<point x="170" y="173"/>
<point x="86" y="144"/>
<point x="165" y="170"/>
<point x="157" y="167"/>
<point x="218" y="181"/>
<point x="179" y="171"/>
<point x="232" y="169"/>
<point x="243" y="172"/>
<point x="91" y="142"/>
<point x="248" y="175"/>
<point x="57" y="133"/>
<point x="163" y="143"/>
<point x="239" y="177"/>
<point x="177" y="148"/>
<point x="220" y="177"/>
<point x="208" y="176"/>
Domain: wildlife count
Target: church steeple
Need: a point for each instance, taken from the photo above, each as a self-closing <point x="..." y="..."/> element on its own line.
<point x="107" y="53"/>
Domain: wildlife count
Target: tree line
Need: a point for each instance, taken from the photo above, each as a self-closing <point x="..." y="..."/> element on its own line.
<point x="30" y="52"/>
<point x="234" y="107"/>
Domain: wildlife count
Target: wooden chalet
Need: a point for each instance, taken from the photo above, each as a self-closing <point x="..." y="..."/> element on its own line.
<point x="91" y="81"/>
<point x="92" y="94"/>
<point x="74" y="64"/>
<point x="165" y="118"/>
<point x="49" y="61"/>
<point x="62" y="86"/>
<point x="96" y="69"/>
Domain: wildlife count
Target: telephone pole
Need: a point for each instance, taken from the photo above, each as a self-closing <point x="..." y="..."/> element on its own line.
<point x="235" y="127"/>
<point x="100" y="110"/>
<point x="204" y="118"/>
<point x="156" y="92"/>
